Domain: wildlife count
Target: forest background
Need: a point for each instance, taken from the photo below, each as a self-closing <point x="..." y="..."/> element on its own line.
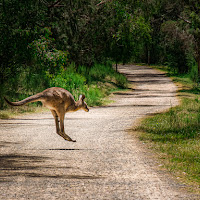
<point x="73" y="43"/>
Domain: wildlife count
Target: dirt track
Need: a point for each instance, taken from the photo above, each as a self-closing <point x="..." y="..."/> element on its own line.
<point x="106" y="162"/>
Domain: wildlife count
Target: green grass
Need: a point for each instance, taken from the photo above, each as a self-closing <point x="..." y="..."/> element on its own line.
<point x="175" y="135"/>
<point x="96" y="83"/>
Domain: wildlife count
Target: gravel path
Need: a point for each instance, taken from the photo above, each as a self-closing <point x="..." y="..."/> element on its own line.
<point x="106" y="162"/>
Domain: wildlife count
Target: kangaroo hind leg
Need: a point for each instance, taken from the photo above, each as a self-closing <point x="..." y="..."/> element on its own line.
<point x="56" y="122"/>
<point x="61" y="115"/>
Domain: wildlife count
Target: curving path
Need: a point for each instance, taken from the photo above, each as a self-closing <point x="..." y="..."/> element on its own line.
<point x="106" y="162"/>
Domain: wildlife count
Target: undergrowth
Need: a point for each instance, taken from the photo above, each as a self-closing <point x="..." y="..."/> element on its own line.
<point x="95" y="82"/>
<point x="91" y="82"/>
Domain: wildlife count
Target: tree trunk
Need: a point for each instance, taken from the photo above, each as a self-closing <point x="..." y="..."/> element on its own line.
<point x="149" y="57"/>
<point x="198" y="55"/>
<point x="197" y="48"/>
<point x="198" y="61"/>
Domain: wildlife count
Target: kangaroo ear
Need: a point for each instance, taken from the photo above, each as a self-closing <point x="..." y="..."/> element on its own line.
<point x="82" y="97"/>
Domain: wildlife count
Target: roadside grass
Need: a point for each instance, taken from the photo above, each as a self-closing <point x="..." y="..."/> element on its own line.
<point x="175" y="135"/>
<point x="22" y="110"/>
<point x="97" y="83"/>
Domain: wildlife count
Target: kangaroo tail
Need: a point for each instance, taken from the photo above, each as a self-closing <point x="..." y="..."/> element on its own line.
<point x="30" y="99"/>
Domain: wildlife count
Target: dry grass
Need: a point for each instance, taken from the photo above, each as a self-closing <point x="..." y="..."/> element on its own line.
<point x="13" y="112"/>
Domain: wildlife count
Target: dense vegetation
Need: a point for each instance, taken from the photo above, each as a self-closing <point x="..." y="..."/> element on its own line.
<point x="47" y="43"/>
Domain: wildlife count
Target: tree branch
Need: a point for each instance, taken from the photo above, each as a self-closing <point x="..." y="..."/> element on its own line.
<point x="44" y="2"/>
<point x="56" y="4"/>
<point x="185" y="20"/>
<point x="103" y="2"/>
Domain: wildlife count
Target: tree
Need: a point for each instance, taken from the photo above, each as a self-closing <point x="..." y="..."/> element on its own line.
<point x="130" y="31"/>
<point x="191" y="17"/>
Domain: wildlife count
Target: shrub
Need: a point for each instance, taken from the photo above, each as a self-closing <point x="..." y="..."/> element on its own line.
<point x="69" y="80"/>
<point x="121" y="80"/>
<point x="194" y="73"/>
<point x="46" y="57"/>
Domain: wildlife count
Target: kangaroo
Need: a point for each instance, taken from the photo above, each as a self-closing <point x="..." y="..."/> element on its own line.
<point x="59" y="101"/>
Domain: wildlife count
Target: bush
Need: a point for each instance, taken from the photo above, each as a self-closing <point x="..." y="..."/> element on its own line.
<point x="68" y="79"/>
<point x="94" y="96"/>
<point x="194" y="73"/>
<point x="121" y="80"/>
<point x="84" y="80"/>
<point x="45" y="56"/>
<point x="102" y="73"/>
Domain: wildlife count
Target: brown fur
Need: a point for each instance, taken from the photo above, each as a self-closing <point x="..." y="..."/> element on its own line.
<point x="59" y="101"/>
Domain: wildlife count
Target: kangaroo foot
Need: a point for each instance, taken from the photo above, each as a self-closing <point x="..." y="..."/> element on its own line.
<point x="69" y="139"/>
<point x="66" y="137"/>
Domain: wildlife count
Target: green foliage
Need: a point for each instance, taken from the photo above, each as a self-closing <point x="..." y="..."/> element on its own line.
<point x="121" y="80"/>
<point x="132" y="32"/>
<point x="97" y="72"/>
<point x="102" y="73"/>
<point x="87" y="81"/>
<point x="194" y="73"/>
<point x="46" y="56"/>
<point x="94" y="96"/>
<point x="177" y="47"/>
<point x="69" y="80"/>
<point x="84" y="80"/>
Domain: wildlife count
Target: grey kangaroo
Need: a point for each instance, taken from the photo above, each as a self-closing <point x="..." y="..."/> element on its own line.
<point x="59" y="101"/>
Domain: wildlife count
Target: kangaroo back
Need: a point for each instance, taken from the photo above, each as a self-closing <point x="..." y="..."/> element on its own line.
<point x="30" y="99"/>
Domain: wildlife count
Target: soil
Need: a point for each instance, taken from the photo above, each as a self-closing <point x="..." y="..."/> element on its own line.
<point x="106" y="162"/>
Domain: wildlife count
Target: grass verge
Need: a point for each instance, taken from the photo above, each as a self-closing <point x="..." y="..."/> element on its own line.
<point x="17" y="111"/>
<point x="175" y="135"/>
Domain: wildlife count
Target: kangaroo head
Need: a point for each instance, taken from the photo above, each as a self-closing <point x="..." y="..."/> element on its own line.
<point x="82" y="103"/>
